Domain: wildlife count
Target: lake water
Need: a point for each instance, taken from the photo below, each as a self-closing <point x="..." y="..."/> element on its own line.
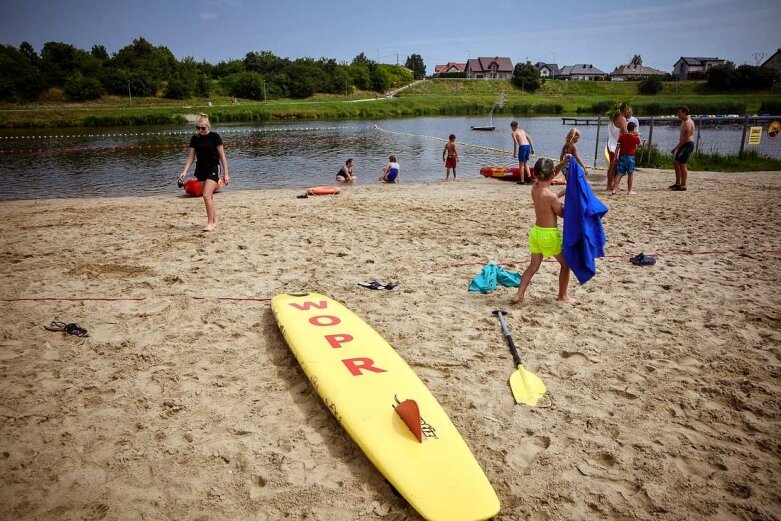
<point x="146" y="161"/>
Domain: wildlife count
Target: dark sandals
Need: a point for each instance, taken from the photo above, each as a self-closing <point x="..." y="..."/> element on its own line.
<point x="68" y="329"/>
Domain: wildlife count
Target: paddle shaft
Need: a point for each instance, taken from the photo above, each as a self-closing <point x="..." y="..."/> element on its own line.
<point x="513" y="350"/>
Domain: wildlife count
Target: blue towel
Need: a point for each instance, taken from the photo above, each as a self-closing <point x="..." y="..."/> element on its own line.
<point x="486" y="280"/>
<point x="584" y="238"/>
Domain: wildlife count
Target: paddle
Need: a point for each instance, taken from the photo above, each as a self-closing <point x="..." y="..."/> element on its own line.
<point x="526" y="386"/>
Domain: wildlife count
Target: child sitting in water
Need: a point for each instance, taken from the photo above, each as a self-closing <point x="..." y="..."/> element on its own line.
<point x="390" y="174"/>
<point x="545" y="239"/>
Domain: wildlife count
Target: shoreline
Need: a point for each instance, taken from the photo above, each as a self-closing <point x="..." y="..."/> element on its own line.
<point x="186" y="404"/>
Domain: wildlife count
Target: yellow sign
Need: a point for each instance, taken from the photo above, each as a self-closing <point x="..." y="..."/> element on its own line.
<point x="755" y="135"/>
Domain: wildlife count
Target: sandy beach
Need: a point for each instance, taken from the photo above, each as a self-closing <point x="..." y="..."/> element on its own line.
<point x="184" y="402"/>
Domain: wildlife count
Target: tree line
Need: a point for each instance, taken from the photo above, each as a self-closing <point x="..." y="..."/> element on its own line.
<point x="143" y="69"/>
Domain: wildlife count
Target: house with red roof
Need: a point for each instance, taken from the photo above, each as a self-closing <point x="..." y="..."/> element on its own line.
<point x="449" y="67"/>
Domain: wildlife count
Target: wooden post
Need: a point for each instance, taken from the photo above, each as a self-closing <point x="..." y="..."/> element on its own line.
<point x="697" y="145"/>
<point x="650" y="142"/>
<point x="596" y="147"/>
<point x="743" y="139"/>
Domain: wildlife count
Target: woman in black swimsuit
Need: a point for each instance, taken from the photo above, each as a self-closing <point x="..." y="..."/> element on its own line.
<point x="206" y="147"/>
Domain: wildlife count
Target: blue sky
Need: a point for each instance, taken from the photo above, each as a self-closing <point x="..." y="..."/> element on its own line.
<point x="604" y="33"/>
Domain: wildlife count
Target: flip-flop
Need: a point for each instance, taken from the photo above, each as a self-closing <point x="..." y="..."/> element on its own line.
<point x="69" y="329"/>
<point x="641" y="259"/>
<point x="372" y="285"/>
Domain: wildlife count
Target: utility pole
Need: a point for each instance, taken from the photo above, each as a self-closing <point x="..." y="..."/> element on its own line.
<point x="397" y="59"/>
<point x="129" y="94"/>
<point x="759" y="57"/>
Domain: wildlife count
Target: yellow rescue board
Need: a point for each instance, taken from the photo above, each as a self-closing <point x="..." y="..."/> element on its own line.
<point x="362" y="379"/>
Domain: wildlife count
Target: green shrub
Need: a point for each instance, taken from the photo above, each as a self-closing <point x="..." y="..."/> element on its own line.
<point x="650" y="85"/>
<point x="79" y="88"/>
<point x="770" y="107"/>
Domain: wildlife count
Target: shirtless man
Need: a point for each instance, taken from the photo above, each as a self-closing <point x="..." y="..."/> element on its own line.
<point x="616" y="128"/>
<point x="523" y="148"/>
<point x="683" y="149"/>
<point x="545" y="239"/>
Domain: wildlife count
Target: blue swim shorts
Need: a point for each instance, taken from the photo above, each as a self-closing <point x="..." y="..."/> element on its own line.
<point x="625" y="165"/>
<point x="524" y="153"/>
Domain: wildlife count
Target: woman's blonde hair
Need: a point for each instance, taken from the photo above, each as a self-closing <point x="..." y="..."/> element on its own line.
<point x="203" y="118"/>
<point x="568" y="141"/>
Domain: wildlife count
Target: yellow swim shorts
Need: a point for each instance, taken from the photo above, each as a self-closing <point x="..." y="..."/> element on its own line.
<point x="547" y="241"/>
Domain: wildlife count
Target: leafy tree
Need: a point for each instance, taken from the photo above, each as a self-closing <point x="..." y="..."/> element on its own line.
<point x="416" y="65"/>
<point x="60" y="60"/>
<point x="176" y="88"/>
<point x="361" y="59"/>
<point x="380" y="78"/>
<point x="650" y="85"/>
<point x="27" y="50"/>
<point x="722" y="76"/>
<point x="20" y="79"/>
<point x="526" y="76"/>
<point x="361" y="78"/>
<point x="305" y="78"/>
<point x="245" y="84"/>
<point x="223" y="68"/>
<point x="99" y="52"/>
<point x="202" y="86"/>
<point x="264" y="62"/>
<point x="636" y="60"/>
<point x="81" y="88"/>
<point x="753" y="77"/>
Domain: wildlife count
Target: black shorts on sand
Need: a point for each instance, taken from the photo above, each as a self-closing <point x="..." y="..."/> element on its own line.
<point x="683" y="153"/>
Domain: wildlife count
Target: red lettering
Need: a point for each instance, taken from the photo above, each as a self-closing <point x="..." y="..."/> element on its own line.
<point x="306" y="305"/>
<point x="330" y="320"/>
<point x="336" y="341"/>
<point x="356" y="365"/>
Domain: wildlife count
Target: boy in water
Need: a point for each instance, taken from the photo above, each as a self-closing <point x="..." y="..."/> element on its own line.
<point x="523" y="148"/>
<point x="545" y="239"/>
<point x="450" y="156"/>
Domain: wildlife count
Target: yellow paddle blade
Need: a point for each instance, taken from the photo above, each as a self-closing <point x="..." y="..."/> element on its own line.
<point x="526" y="386"/>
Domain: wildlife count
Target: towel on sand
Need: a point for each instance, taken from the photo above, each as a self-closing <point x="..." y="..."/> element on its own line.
<point x="584" y="238"/>
<point x="486" y="280"/>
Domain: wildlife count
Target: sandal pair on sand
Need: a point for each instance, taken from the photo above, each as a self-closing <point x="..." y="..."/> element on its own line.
<point x="69" y="329"/>
<point x="641" y="259"/>
<point x="375" y="284"/>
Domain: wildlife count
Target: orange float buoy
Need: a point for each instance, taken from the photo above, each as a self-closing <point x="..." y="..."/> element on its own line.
<point x="193" y="187"/>
<point x="323" y="190"/>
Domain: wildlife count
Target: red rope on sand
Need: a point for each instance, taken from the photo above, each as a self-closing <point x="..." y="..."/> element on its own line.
<point x="627" y="256"/>
<point x="124" y="299"/>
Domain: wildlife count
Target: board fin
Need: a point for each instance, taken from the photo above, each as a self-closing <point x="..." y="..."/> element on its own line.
<point x="409" y="413"/>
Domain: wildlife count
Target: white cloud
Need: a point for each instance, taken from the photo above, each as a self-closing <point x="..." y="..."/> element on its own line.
<point x="208" y="17"/>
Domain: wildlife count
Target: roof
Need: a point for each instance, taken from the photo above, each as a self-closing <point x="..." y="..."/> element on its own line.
<point x="483" y="64"/>
<point x="636" y="70"/>
<point x="551" y="67"/>
<point x="580" y="69"/>
<point x="773" y="56"/>
<point x="450" y="67"/>
<point x="689" y="60"/>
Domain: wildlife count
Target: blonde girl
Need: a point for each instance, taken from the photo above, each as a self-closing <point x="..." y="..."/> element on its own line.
<point x="570" y="147"/>
<point x="207" y="151"/>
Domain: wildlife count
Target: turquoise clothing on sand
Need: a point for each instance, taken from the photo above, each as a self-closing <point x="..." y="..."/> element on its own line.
<point x="487" y="280"/>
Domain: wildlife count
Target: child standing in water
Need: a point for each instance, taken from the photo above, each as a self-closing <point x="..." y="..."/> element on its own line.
<point x="450" y="156"/>
<point x="545" y="239"/>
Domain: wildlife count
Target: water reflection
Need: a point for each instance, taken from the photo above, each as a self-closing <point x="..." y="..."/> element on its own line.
<point x="122" y="162"/>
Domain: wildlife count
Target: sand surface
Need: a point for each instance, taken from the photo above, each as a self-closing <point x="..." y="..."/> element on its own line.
<point x="664" y="381"/>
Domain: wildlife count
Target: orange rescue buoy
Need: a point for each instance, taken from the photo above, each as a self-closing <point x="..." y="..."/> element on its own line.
<point x="193" y="187"/>
<point x="323" y="190"/>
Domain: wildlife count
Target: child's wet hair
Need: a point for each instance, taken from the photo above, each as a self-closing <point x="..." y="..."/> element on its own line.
<point x="544" y="169"/>
<point x="631" y="126"/>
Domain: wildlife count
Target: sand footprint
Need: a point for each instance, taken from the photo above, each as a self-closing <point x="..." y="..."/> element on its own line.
<point x="521" y="457"/>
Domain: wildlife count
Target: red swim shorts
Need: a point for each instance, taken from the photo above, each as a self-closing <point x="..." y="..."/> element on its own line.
<point x="450" y="162"/>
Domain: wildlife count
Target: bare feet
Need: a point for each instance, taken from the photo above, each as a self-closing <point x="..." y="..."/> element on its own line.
<point x="566" y="299"/>
<point x="631" y="193"/>
<point x="209" y="227"/>
<point x="517" y="299"/>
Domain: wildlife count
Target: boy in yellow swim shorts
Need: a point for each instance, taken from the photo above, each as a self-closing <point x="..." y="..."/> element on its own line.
<point x="545" y="239"/>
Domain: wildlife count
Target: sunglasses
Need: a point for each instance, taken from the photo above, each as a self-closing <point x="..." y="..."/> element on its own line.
<point x="201" y="128"/>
